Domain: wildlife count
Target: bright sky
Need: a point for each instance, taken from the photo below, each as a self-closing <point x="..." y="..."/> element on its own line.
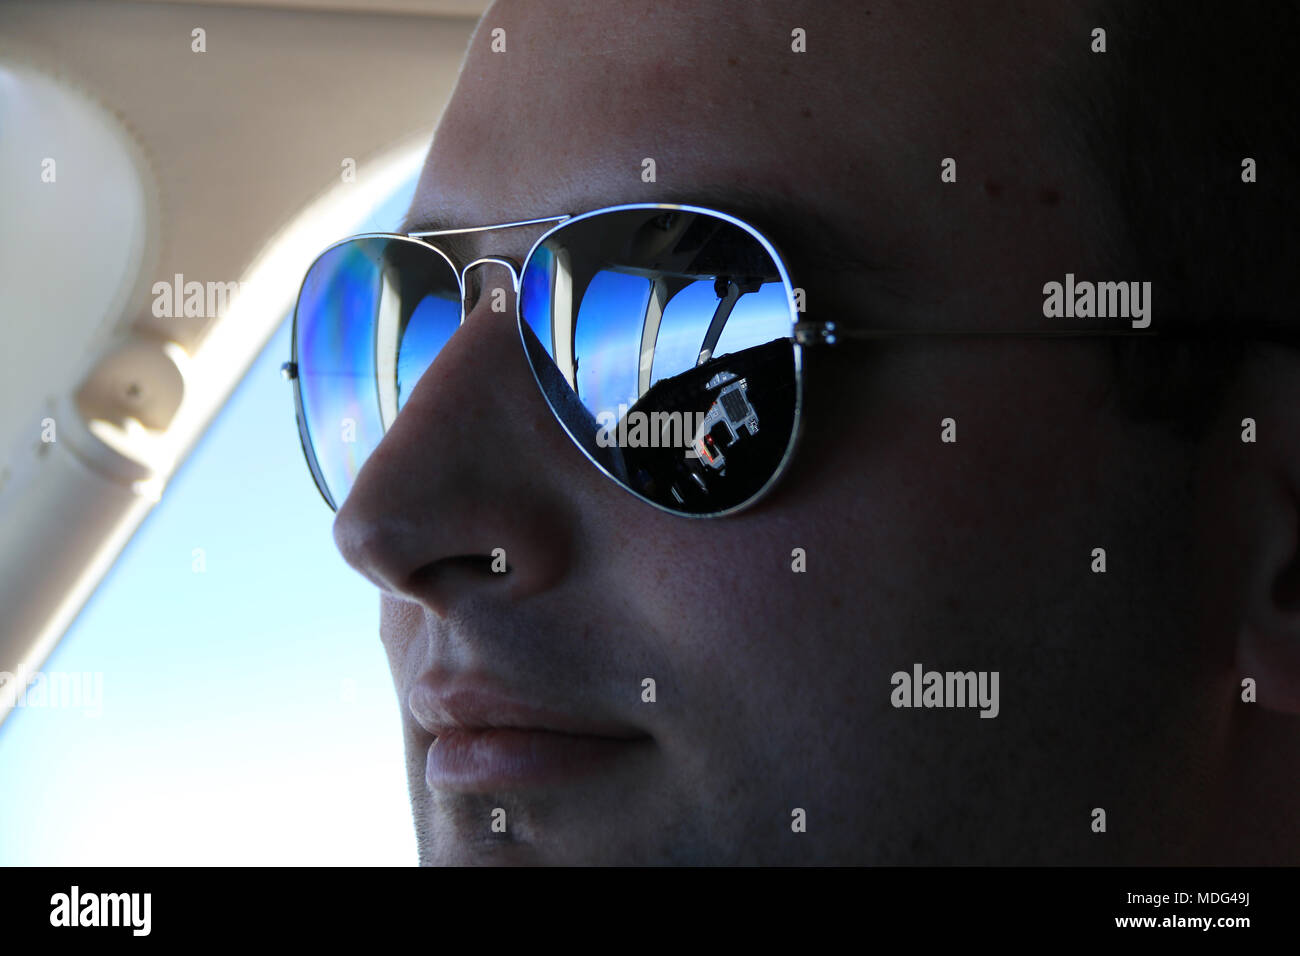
<point x="247" y="715"/>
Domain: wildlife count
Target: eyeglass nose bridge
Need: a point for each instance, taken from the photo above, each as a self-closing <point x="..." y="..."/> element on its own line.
<point x="515" y="268"/>
<point x="506" y="261"/>
<point x="469" y="300"/>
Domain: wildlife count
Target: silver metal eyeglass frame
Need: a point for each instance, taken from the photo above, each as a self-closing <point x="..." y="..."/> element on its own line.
<point x="821" y="333"/>
<point x="803" y="334"/>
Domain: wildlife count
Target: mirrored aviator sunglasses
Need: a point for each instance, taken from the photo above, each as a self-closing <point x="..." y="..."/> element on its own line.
<point x="663" y="338"/>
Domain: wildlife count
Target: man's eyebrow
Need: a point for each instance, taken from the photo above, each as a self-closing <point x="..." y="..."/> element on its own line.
<point x="804" y="236"/>
<point x="808" y="239"/>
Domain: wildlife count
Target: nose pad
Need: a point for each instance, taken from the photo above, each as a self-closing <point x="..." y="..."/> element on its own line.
<point x="497" y="301"/>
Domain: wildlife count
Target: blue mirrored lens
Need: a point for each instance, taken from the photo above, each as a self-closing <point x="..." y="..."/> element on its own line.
<point x="663" y="340"/>
<point x="372" y="315"/>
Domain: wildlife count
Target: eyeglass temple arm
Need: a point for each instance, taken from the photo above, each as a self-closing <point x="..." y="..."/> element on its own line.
<point x="829" y="333"/>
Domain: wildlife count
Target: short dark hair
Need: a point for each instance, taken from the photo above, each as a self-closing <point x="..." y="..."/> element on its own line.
<point x="1186" y="91"/>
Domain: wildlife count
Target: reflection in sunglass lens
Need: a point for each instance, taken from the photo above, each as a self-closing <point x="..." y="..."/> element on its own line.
<point x="372" y="315"/>
<point x="662" y="339"/>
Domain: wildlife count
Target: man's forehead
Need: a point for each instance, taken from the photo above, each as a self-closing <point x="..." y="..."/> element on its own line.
<point x="555" y="98"/>
<point x="805" y="119"/>
<point x="591" y="105"/>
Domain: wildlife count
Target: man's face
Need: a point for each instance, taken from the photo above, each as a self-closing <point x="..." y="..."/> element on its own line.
<point x="772" y="686"/>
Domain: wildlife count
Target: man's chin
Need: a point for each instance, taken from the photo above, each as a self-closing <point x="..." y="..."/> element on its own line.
<point x="571" y="830"/>
<point x="449" y="851"/>
<point x="620" y="812"/>
<point x="510" y="829"/>
<point x="442" y="845"/>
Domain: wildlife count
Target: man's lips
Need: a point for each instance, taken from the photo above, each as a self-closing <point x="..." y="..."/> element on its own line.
<point x="506" y="758"/>
<point x="486" y="740"/>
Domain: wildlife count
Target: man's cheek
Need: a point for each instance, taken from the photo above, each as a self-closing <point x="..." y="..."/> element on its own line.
<point x="400" y="624"/>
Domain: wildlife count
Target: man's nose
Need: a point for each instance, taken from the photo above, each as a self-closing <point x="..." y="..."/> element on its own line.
<point x="464" y="496"/>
